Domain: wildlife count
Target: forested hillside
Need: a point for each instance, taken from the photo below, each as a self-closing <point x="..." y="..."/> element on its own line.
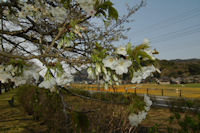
<point x="179" y="68"/>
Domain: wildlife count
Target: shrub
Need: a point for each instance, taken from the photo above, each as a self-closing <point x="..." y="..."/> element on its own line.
<point x="44" y="106"/>
<point x="47" y="107"/>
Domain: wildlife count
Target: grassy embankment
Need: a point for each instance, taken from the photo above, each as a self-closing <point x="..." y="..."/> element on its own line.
<point x="14" y="119"/>
<point x="106" y="116"/>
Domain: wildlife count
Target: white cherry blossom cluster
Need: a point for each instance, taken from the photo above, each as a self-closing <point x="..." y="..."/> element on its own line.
<point x="97" y="70"/>
<point x="11" y="73"/>
<point x="30" y="75"/>
<point x="145" y="72"/>
<point x="149" y="51"/>
<point x="114" y="66"/>
<point x="111" y="67"/>
<point x="55" y="79"/>
<point x="136" y="119"/>
<point x="40" y="10"/>
<point x="1" y="1"/>
<point x="88" y="6"/>
<point x="59" y="14"/>
<point x="119" y="65"/>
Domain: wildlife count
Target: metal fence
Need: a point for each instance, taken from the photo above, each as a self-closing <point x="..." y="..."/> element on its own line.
<point x="149" y="91"/>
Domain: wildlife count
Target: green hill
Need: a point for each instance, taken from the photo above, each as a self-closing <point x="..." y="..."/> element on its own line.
<point x="179" y="68"/>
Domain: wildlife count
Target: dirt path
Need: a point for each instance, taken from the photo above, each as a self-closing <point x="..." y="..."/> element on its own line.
<point x="14" y="120"/>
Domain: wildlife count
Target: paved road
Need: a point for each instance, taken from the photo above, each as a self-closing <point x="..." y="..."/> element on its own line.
<point x="168" y="102"/>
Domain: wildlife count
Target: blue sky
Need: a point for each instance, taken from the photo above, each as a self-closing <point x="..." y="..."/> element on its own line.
<point x="172" y="26"/>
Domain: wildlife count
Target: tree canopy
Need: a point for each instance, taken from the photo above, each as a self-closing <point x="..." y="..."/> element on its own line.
<point x="55" y="38"/>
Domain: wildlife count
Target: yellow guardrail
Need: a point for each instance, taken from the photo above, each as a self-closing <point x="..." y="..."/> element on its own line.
<point x="143" y="89"/>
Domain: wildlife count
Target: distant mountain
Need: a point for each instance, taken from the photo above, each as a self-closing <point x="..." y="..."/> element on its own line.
<point x="179" y="68"/>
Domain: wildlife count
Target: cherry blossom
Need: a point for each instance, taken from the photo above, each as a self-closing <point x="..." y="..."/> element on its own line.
<point x="110" y="61"/>
<point x="122" y="66"/>
<point x="121" y="50"/>
<point x="136" y="119"/>
<point x="91" y="74"/>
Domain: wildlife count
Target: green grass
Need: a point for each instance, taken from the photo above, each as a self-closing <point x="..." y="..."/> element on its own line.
<point x="192" y="85"/>
<point x="196" y="85"/>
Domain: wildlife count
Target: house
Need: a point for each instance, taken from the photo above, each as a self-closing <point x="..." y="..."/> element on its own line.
<point x="164" y="80"/>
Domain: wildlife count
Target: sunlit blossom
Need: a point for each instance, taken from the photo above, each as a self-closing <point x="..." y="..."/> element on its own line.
<point x="121" y="50"/>
<point x="87" y="6"/>
<point x="145" y="72"/>
<point x="115" y="78"/>
<point x="147" y="101"/>
<point x="122" y="66"/>
<point x="64" y="79"/>
<point x="110" y="61"/>
<point x="106" y="78"/>
<point x="136" y="119"/>
<point x="150" y="52"/>
<point x="91" y="74"/>
<point x="137" y="77"/>
<point x="106" y="86"/>
<point x="97" y="69"/>
<point x="146" y="41"/>
<point x="104" y="70"/>
<point x="50" y="83"/>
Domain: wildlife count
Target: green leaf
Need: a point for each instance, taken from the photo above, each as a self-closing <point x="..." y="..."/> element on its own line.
<point x="112" y="12"/>
<point x="177" y="115"/>
<point x="80" y="120"/>
<point x="71" y="36"/>
<point x="108" y="3"/>
<point x="105" y="5"/>
<point x="144" y="55"/>
<point x="48" y="75"/>
<point x="60" y="44"/>
<point x="59" y="69"/>
<point x="128" y="48"/>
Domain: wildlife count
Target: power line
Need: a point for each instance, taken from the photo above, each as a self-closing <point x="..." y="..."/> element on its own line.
<point x="187" y="33"/>
<point x="193" y="27"/>
<point x="174" y="34"/>
<point x="170" y="21"/>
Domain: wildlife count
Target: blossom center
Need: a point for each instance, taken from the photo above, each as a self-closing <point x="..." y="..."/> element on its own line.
<point x="121" y="63"/>
<point x="111" y="60"/>
<point x="121" y="49"/>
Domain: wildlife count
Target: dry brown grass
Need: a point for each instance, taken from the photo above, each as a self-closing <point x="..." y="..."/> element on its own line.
<point x="14" y="119"/>
<point x="103" y="117"/>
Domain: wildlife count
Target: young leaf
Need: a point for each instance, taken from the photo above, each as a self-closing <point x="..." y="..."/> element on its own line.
<point x="112" y="12"/>
<point x="128" y="48"/>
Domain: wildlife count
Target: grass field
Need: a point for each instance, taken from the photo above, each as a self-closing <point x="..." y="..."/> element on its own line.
<point x="187" y="90"/>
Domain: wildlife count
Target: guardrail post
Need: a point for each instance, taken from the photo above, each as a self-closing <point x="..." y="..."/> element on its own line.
<point x="126" y="89"/>
<point x="0" y="88"/>
<point x="162" y="92"/>
<point x="180" y="93"/>
<point x="147" y="91"/>
<point x="135" y="90"/>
